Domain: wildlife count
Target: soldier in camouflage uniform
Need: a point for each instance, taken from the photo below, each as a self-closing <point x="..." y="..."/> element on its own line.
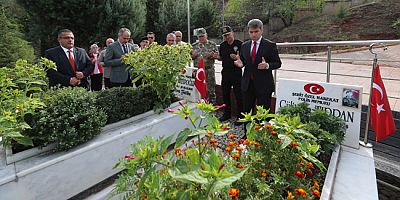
<point x="209" y="51"/>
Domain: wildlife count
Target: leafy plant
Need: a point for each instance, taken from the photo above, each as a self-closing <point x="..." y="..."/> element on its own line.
<point x="121" y="102"/>
<point x="159" y="67"/>
<point x="330" y="130"/>
<point x="70" y="118"/>
<point x="20" y="89"/>
<point x="276" y="161"/>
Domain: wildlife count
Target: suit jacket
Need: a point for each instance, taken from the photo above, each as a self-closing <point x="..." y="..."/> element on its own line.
<point x="118" y="70"/>
<point x="64" y="69"/>
<point x="263" y="79"/>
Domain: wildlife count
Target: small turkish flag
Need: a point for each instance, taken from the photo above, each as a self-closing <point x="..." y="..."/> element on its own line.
<point x="200" y="81"/>
<point x="381" y="114"/>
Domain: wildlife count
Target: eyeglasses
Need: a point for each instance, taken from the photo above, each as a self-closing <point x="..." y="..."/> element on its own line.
<point x="66" y="38"/>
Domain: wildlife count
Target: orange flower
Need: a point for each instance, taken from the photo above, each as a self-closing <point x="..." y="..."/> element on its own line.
<point x="212" y="141"/>
<point x="257" y="127"/>
<point x="246" y="142"/>
<point x="232" y="136"/>
<point x="240" y="149"/>
<point x="299" y="174"/>
<point x="316" y="193"/>
<point x="231" y="144"/>
<point x="316" y="184"/>
<point x="263" y="172"/>
<point x="301" y="164"/>
<point x="234" y="193"/>
<point x="178" y="152"/>
<point x="269" y="126"/>
<point x="257" y="144"/>
<point x="239" y="166"/>
<point x="294" y="144"/>
<point x="163" y="171"/>
<point x="301" y="192"/>
<point x="236" y="156"/>
<point x="241" y="141"/>
<point x="273" y="133"/>
<point x="310" y="164"/>
<point x="228" y="149"/>
<point x="290" y="195"/>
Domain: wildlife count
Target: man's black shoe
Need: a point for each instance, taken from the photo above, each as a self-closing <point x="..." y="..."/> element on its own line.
<point x="224" y="118"/>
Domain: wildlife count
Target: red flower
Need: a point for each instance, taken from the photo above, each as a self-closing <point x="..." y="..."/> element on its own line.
<point x="236" y="156"/>
<point x="228" y="149"/>
<point x="294" y="144"/>
<point x="127" y="156"/>
<point x="170" y="110"/>
<point x="299" y="174"/>
<point x="239" y="166"/>
<point x="240" y="149"/>
<point x="221" y="106"/>
<point x="232" y="136"/>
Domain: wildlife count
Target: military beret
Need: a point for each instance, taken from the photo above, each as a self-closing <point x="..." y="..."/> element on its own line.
<point x="226" y="30"/>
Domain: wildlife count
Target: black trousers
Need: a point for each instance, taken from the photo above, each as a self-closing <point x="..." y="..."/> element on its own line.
<point x="96" y="82"/>
<point x="230" y="80"/>
<point x="252" y="97"/>
<point x="107" y="83"/>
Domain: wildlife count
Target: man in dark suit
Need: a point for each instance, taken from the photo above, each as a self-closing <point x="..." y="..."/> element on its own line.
<point x="259" y="57"/>
<point x="119" y="73"/>
<point x="73" y="63"/>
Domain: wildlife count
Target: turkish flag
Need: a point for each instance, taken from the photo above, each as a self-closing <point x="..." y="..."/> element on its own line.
<point x="381" y="114"/>
<point x="200" y="81"/>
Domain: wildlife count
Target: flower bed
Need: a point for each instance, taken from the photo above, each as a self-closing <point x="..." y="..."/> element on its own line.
<point x="278" y="160"/>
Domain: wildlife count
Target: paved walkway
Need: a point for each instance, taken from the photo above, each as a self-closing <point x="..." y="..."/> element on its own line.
<point x="389" y="70"/>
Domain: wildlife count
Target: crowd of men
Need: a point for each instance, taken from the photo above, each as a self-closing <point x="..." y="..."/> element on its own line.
<point x="252" y="86"/>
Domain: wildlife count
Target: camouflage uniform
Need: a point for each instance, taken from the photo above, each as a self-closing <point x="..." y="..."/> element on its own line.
<point x="201" y="50"/>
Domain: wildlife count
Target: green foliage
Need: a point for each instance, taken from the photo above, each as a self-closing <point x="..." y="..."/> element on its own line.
<point x="152" y="17"/>
<point x="276" y="161"/>
<point x="203" y="14"/>
<point x="121" y="102"/>
<point x="241" y="11"/>
<point x="13" y="46"/>
<point x="327" y="128"/>
<point x="20" y="89"/>
<point x="70" y="118"/>
<point x="172" y="16"/>
<point x="159" y="67"/>
<point x="122" y="13"/>
<point x="341" y="13"/>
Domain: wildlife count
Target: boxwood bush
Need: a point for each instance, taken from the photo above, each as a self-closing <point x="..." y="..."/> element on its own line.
<point x="70" y="118"/>
<point x="123" y="102"/>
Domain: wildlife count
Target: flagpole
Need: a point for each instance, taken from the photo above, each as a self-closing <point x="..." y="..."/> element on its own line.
<point x="365" y="142"/>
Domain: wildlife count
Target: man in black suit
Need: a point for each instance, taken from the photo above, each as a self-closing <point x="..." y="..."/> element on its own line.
<point x="259" y="57"/>
<point x="73" y="63"/>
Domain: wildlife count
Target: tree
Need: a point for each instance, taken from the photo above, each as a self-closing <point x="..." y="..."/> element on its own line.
<point x="241" y="11"/>
<point x="172" y="16"/>
<point x="122" y="13"/>
<point x="204" y="15"/>
<point x="80" y="16"/>
<point x="12" y="43"/>
<point x="152" y="16"/>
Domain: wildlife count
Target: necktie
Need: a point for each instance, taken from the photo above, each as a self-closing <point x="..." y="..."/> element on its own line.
<point x="254" y="51"/>
<point x="71" y="61"/>
<point x="125" y="49"/>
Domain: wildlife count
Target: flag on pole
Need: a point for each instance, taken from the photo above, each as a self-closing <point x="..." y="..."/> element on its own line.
<point x="381" y="114"/>
<point x="200" y="81"/>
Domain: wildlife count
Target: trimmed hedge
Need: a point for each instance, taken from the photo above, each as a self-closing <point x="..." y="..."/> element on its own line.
<point x="70" y="118"/>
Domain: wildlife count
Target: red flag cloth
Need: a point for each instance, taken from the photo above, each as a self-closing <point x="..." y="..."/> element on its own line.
<point x="200" y="81"/>
<point x="381" y="114"/>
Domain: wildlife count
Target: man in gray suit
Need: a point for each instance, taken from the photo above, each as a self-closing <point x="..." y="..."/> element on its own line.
<point x="119" y="73"/>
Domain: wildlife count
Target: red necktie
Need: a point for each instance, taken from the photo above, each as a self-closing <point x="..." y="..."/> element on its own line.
<point x="254" y="52"/>
<point x="71" y="61"/>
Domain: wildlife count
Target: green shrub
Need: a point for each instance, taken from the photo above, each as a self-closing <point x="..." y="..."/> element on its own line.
<point x="70" y="118"/>
<point x="121" y="102"/>
<point x="327" y="128"/>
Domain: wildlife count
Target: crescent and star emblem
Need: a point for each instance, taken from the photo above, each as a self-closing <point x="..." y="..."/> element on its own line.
<point x="379" y="107"/>
<point x="197" y="75"/>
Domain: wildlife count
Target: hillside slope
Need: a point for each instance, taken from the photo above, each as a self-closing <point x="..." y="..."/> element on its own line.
<point x="371" y="21"/>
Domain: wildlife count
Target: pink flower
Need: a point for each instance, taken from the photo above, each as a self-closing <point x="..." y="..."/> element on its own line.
<point x="170" y="110"/>
<point x="221" y="106"/>
<point x="127" y="156"/>
<point x="226" y="128"/>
